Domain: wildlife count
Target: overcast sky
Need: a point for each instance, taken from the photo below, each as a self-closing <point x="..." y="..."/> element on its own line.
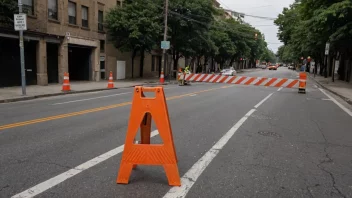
<point x="265" y="8"/>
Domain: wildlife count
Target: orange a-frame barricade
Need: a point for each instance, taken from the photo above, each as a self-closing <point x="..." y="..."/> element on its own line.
<point x="143" y="111"/>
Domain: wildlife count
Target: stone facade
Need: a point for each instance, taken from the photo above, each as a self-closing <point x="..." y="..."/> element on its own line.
<point x="47" y="27"/>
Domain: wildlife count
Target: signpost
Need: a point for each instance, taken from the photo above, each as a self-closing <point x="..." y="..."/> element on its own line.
<point x="327" y="49"/>
<point x="20" y="23"/>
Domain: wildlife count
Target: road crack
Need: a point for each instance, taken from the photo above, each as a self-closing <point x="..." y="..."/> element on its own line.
<point x="328" y="159"/>
<point x="4" y="187"/>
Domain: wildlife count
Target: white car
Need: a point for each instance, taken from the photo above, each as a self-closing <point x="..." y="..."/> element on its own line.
<point x="290" y="67"/>
<point x="228" y="72"/>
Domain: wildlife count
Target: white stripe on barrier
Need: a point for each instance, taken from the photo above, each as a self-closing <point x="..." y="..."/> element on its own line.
<point x="193" y="77"/>
<point x="287" y="83"/>
<point x="212" y="79"/>
<point x="245" y="80"/>
<point x="207" y="78"/>
<point x="66" y="77"/>
<point x="276" y="82"/>
<point x="220" y="78"/>
<point x="256" y="80"/>
<point x="265" y="81"/>
<point x="201" y="76"/>
<point x="227" y="80"/>
<point x="237" y="79"/>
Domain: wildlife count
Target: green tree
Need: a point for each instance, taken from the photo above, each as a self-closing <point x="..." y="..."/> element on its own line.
<point x="188" y="20"/>
<point x="7" y="9"/>
<point x="135" y="27"/>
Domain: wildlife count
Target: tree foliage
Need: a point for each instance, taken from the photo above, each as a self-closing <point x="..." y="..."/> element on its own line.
<point x="7" y="9"/>
<point x="307" y="25"/>
<point x="196" y="30"/>
<point x="135" y="27"/>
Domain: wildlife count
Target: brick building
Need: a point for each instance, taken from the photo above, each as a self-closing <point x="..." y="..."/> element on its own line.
<point x="67" y="36"/>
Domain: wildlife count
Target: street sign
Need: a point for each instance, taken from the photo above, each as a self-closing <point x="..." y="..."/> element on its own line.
<point x="20" y="21"/>
<point x="165" y="45"/>
<point x="327" y="48"/>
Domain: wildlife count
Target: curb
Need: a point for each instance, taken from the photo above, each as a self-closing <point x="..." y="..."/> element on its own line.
<point x="339" y="95"/>
<point x="60" y="93"/>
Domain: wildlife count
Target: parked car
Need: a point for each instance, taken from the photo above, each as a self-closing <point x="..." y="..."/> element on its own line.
<point x="263" y="66"/>
<point x="228" y="72"/>
<point x="272" y="67"/>
<point x="290" y="67"/>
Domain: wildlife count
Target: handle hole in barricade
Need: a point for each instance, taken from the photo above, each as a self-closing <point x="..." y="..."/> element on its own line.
<point x="148" y="92"/>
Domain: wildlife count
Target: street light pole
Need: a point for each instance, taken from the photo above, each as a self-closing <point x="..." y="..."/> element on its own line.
<point x="23" y="72"/>
<point x="164" y="63"/>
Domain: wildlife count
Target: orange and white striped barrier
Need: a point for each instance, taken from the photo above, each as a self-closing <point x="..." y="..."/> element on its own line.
<point x="111" y="81"/>
<point x="243" y="80"/>
<point x="66" y="84"/>
<point x="302" y="82"/>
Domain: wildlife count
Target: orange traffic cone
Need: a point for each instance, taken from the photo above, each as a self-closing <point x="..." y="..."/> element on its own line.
<point x="111" y="82"/>
<point x="162" y="80"/>
<point x="66" y="85"/>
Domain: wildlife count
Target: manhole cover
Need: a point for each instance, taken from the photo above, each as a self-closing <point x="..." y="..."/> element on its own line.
<point x="269" y="134"/>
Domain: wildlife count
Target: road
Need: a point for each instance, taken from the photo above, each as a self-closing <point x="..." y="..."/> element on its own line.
<point x="231" y="141"/>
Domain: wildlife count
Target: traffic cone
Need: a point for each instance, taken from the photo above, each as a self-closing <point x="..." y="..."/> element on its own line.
<point x="162" y="80"/>
<point x="66" y="85"/>
<point x="111" y="82"/>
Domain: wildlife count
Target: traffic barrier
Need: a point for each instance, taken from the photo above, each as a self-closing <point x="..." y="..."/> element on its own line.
<point x="142" y="112"/>
<point x="111" y="82"/>
<point x="66" y="84"/>
<point x="302" y="82"/>
<point x="243" y="80"/>
<point x="162" y="78"/>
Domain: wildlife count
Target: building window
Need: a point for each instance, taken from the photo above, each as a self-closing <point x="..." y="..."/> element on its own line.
<point x="71" y="12"/>
<point x="52" y="9"/>
<point x="119" y="3"/>
<point x="27" y="6"/>
<point x="84" y="16"/>
<point x="102" y="46"/>
<point x="100" y="20"/>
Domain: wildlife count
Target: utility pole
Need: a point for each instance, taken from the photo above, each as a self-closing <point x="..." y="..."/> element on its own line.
<point x="164" y="62"/>
<point x="23" y="72"/>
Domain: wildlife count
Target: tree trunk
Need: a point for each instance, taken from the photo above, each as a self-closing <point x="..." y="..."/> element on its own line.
<point x="134" y="52"/>
<point x="206" y="59"/>
<point x="232" y="60"/>
<point x="141" y="63"/>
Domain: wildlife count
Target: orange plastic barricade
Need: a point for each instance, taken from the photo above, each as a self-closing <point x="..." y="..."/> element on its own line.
<point x="302" y="82"/>
<point x="143" y="111"/>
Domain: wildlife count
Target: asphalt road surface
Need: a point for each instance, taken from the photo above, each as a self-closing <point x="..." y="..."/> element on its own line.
<point x="231" y="141"/>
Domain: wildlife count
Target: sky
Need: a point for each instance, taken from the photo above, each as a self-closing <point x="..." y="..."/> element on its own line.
<point x="265" y="8"/>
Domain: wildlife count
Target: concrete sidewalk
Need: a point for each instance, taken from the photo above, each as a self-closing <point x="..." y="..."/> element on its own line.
<point x="13" y="94"/>
<point x="340" y="88"/>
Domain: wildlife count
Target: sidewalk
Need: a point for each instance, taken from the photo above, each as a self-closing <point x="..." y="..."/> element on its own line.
<point x="13" y="94"/>
<point x="340" y="88"/>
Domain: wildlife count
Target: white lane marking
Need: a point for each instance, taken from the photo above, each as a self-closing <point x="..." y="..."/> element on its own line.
<point x="328" y="99"/>
<point x="261" y="102"/>
<point x="193" y="95"/>
<point x="197" y="169"/>
<point x="337" y="103"/>
<point x="91" y="98"/>
<point x="280" y="89"/>
<point x="35" y="190"/>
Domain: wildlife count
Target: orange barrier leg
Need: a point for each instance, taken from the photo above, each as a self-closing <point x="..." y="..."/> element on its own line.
<point x="142" y="112"/>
